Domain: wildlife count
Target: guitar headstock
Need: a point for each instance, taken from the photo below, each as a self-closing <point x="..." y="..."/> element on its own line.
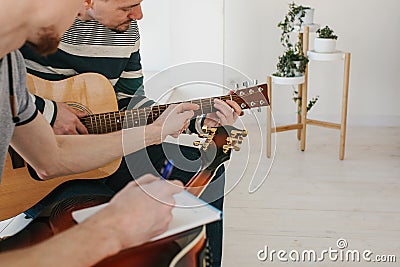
<point x="218" y="143"/>
<point x="252" y="97"/>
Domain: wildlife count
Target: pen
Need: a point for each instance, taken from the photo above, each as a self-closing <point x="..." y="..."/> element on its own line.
<point x="167" y="169"/>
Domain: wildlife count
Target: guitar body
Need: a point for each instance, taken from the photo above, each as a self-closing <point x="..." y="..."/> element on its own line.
<point x="90" y="91"/>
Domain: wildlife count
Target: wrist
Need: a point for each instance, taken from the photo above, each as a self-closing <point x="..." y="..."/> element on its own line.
<point x="105" y="235"/>
<point x="153" y="134"/>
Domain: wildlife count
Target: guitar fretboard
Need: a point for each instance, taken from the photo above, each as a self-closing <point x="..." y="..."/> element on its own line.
<point x="115" y="121"/>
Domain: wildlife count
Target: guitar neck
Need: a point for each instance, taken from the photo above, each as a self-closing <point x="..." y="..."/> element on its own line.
<point x="115" y="121"/>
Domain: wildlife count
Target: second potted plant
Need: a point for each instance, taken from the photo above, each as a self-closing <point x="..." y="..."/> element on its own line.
<point x="325" y="42"/>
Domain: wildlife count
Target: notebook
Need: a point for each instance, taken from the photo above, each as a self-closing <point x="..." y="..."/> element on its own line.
<point x="189" y="212"/>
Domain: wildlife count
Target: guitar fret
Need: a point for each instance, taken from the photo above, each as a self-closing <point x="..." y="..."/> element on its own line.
<point x="135" y="118"/>
<point x="115" y="122"/>
<point x="120" y="120"/>
<point x="148" y="113"/>
<point x="105" y="123"/>
<point x="159" y="112"/>
<point x="97" y="128"/>
<point x="100" y="123"/>
<point x="152" y="115"/>
<point x="143" y="117"/>
<point x="109" y="122"/>
<point x="91" y="125"/>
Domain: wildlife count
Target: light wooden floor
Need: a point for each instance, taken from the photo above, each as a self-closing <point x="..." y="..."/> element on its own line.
<point x="311" y="199"/>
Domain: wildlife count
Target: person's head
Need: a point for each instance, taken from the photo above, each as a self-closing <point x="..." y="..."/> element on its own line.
<point x="114" y="14"/>
<point x="48" y="20"/>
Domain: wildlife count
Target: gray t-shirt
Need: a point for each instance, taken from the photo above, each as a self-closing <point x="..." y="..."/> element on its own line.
<point x="25" y="107"/>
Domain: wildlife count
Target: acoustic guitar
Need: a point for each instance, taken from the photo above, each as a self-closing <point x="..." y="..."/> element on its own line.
<point x="185" y="249"/>
<point x="93" y="93"/>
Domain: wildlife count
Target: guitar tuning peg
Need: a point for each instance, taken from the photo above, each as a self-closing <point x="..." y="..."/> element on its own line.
<point x="240" y="140"/>
<point x="246" y="84"/>
<point x="229" y="140"/>
<point x="255" y="82"/>
<point x="205" y="146"/>
<point x="237" y="86"/>
<point x="258" y="109"/>
<point x="226" y="148"/>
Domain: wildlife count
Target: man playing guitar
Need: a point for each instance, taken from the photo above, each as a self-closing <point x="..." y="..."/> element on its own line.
<point x="41" y="22"/>
<point x="104" y="38"/>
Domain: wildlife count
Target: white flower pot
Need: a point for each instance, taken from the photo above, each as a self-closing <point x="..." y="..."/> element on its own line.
<point x="288" y="80"/>
<point x="324" y="45"/>
<point x="308" y="18"/>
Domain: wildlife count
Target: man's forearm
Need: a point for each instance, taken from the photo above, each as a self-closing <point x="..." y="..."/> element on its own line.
<point x="53" y="156"/>
<point x="65" y="249"/>
<point x="102" y="148"/>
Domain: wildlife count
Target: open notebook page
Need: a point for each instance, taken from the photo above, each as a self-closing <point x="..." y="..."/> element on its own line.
<point x="189" y="212"/>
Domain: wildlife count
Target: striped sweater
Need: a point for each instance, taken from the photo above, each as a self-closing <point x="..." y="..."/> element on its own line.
<point x="88" y="46"/>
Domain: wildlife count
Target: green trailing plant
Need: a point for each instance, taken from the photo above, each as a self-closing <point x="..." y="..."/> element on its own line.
<point x="288" y="23"/>
<point x="293" y="61"/>
<point x="326" y="33"/>
<point x="310" y="104"/>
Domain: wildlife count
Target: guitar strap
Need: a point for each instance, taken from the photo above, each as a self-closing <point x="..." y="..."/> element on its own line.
<point x="17" y="160"/>
<point x="15" y="117"/>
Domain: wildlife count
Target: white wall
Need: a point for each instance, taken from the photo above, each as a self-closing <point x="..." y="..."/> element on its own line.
<point x="244" y="35"/>
<point x="176" y="32"/>
<point x="370" y="30"/>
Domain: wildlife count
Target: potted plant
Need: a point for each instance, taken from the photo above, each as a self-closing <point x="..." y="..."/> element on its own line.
<point x="291" y="64"/>
<point x="297" y="16"/>
<point x="304" y="14"/>
<point x="325" y="42"/>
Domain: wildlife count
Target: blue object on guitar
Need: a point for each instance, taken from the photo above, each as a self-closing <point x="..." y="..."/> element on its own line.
<point x="167" y="169"/>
